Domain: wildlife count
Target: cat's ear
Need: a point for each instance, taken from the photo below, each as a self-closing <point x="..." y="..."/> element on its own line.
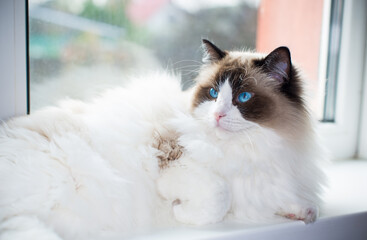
<point x="278" y="64"/>
<point x="211" y="53"/>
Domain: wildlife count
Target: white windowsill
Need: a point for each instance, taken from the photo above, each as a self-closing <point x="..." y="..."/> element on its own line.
<point x="343" y="216"/>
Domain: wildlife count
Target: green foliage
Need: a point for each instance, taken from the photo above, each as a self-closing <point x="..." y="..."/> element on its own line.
<point x="114" y="13"/>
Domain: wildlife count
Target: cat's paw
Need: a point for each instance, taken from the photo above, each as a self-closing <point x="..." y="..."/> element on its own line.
<point x="183" y="214"/>
<point x="190" y="213"/>
<point x="306" y="214"/>
<point x="198" y="196"/>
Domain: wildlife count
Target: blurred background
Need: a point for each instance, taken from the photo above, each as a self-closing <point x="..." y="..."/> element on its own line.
<point x="78" y="48"/>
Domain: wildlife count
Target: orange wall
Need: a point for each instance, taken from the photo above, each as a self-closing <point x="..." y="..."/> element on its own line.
<point x="295" y="24"/>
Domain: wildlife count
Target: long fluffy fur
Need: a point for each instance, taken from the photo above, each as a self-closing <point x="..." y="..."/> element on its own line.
<point x="87" y="169"/>
<point x="91" y="171"/>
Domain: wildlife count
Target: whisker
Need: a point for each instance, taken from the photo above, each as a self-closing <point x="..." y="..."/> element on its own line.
<point x="183" y="69"/>
<point x="187" y="73"/>
<point x="248" y="137"/>
<point x="186" y="66"/>
<point x="181" y="61"/>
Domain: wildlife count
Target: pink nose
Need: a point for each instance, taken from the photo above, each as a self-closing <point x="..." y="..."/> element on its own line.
<point x="219" y="115"/>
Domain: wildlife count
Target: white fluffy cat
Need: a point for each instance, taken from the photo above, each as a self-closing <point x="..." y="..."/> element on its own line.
<point x="240" y="145"/>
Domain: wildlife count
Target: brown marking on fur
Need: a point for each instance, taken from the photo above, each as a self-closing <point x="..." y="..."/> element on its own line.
<point x="275" y="104"/>
<point x="242" y="77"/>
<point x="169" y="148"/>
<point x="176" y="202"/>
<point x="44" y="135"/>
<point x="211" y="52"/>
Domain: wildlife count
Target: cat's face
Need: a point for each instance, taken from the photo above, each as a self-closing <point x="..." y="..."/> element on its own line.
<point x="237" y="91"/>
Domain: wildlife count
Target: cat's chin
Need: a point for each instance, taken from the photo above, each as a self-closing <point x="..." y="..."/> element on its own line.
<point x="224" y="132"/>
<point x="230" y="129"/>
<point x="225" y="129"/>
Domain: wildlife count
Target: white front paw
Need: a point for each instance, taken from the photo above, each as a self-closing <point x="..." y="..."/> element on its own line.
<point x="201" y="213"/>
<point x="307" y="214"/>
<point x="198" y="196"/>
<point x="187" y="214"/>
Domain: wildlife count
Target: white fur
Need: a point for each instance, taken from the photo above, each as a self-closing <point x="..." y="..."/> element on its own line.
<point x="268" y="175"/>
<point x="88" y="171"/>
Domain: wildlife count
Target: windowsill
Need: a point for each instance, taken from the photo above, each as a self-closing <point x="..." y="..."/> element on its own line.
<point x="343" y="216"/>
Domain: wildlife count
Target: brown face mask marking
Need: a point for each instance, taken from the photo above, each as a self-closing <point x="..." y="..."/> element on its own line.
<point x="273" y="80"/>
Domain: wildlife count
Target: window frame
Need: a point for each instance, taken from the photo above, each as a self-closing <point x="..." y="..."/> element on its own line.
<point x="362" y="145"/>
<point x="341" y="137"/>
<point x="350" y="118"/>
<point x="13" y="46"/>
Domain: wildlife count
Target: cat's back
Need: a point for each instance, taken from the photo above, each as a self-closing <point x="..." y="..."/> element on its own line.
<point x="88" y="164"/>
<point x="130" y="113"/>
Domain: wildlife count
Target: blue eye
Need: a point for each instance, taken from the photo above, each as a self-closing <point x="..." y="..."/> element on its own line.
<point x="244" y="97"/>
<point x="213" y="93"/>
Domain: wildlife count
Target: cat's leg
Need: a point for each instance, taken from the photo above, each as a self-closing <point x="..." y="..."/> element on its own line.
<point x="303" y="212"/>
<point x="300" y="202"/>
<point x="26" y="227"/>
<point x="198" y="196"/>
<point x="259" y="200"/>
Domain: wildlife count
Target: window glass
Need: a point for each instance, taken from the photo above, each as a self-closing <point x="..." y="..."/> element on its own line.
<point x="336" y="18"/>
<point x="298" y="25"/>
<point x="79" y="48"/>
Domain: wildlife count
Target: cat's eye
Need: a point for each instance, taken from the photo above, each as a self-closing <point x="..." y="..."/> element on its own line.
<point x="244" y="97"/>
<point x="213" y="93"/>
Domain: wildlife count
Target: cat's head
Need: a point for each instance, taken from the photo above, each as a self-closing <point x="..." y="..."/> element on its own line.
<point x="238" y="91"/>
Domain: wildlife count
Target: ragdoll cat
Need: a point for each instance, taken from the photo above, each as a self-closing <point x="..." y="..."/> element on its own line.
<point x="238" y="145"/>
<point x="250" y="150"/>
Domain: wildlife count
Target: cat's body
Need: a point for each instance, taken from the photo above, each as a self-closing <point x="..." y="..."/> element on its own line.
<point x="152" y="155"/>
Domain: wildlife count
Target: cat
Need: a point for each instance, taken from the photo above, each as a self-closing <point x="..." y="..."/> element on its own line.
<point x="238" y="145"/>
<point x="249" y="142"/>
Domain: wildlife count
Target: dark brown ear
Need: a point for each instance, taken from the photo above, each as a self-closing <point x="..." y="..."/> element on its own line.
<point x="211" y="52"/>
<point x="278" y="64"/>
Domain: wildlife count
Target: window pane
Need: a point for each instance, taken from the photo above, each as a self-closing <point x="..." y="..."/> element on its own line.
<point x="79" y="48"/>
<point x="298" y="25"/>
<point x="336" y="18"/>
